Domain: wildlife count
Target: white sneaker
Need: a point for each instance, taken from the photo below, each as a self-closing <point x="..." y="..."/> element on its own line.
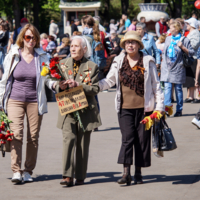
<point x="196" y="122"/>
<point x="17" y="178"/>
<point x="27" y="177"/>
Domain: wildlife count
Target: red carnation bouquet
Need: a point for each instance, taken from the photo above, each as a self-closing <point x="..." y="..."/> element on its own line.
<point x="5" y="132"/>
<point x="53" y="71"/>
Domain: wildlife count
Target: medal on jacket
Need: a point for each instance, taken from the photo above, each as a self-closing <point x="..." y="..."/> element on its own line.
<point x="70" y="74"/>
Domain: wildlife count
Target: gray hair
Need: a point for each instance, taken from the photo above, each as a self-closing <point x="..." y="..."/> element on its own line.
<point x="84" y="43"/>
<point x="141" y="25"/>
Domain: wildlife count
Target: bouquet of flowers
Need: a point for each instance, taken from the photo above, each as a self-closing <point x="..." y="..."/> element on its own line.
<point x="53" y="71"/>
<point x="5" y="132"/>
<point x="57" y="73"/>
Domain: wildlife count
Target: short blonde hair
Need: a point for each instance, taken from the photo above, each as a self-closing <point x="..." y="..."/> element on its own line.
<point x="43" y="36"/>
<point x="162" y="38"/>
<point x="176" y="25"/>
<point x="33" y="29"/>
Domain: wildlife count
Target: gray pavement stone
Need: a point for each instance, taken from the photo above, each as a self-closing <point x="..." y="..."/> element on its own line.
<point x="174" y="177"/>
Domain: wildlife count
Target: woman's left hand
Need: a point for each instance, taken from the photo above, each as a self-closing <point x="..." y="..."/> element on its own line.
<point x="180" y="44"/>
<point x="72" y="83"/>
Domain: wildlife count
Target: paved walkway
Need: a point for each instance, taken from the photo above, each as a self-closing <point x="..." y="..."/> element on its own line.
<point x="174" y="177"/>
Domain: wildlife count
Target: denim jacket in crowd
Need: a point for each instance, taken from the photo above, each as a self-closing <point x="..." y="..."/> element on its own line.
<point x="150" y="47"/>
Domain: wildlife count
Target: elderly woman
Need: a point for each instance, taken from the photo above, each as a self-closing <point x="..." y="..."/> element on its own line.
<point x="172" y="70"/>
<point x="81" y="72"/>
<point x="148" y="42"/>
<point x="194" y="38"/>
<point x="22" y="92"/>
<point x="138" y="88"/>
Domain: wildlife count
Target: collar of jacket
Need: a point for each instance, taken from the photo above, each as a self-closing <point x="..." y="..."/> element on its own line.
<point x="15" y="50"/>
<point x="145" y="37"/>
<point x="146" y="59"/>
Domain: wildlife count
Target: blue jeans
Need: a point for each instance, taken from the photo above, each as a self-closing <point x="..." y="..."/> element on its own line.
<point x="179" y="95"/>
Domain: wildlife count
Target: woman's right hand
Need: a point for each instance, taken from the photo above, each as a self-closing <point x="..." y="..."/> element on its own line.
<point x="63" y="85"/>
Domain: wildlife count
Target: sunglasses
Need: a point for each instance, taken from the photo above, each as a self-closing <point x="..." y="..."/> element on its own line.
<point x="28" y="38"/>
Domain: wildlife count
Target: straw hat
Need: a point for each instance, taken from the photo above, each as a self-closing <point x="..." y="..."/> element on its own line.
<point x="131" y="35"/>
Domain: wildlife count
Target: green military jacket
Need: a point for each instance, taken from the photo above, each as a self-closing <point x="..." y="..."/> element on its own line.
<point x="90" y="117"/>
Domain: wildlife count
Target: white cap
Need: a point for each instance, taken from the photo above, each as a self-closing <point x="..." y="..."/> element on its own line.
<point x="192" y="22"/>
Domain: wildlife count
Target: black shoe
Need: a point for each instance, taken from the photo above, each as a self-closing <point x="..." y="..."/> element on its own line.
<point x="178" y="114"/>
<point x="196" y="101"/>
<point x="67" y="182"/>
<point x="138" y="179"/>
<point x="126" y="179"/>
<point x="188" y="100"/>
<point x="96" y="129"/>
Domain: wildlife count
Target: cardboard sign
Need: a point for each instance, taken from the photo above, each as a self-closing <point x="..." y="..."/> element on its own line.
<point x="71" y="100"/>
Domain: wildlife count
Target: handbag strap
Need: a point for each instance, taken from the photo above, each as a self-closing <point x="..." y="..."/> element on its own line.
<point x="164" y="123"/>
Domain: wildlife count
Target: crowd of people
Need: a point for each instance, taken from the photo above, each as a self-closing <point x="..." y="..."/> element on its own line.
<point x="144" y="68"/>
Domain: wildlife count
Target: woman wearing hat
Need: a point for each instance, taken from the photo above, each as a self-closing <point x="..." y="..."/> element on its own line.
<point x="194" y="38"/>
<point x="138" y="88"/>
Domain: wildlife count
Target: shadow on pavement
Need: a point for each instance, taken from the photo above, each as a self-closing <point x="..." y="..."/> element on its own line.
<point x="109" y="177"/>
<point x="46" y="177"/>
<point x="110" y="129"/>
<point x="179" y="179"/>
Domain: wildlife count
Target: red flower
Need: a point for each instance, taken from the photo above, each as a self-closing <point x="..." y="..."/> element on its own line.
<point x="3" y="142"/>
<point x="53" y="71"/>
<point x="2" y="136"/>
<point x="3" y="123"/>
<point x="8" y="131"/>
<point x="43" y="63"/>
<point x="2" y="128"/>
<point x="9" y="139"/>
<point x="56" y="75"/>
<point x="56" y="59"/>
<point x="11" y="134"/>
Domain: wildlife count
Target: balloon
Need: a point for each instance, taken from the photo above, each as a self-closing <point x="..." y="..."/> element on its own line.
<point x="197" y="4"/>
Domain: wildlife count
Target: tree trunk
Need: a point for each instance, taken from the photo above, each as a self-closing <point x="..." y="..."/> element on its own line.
<point x="36" y="13"/>
<point x="17" y="13"/>
<point x="125" y="5"/>
<point x="178" y="8"/>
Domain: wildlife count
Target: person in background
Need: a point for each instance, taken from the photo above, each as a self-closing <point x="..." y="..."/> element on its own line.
<point x="10" y="42"/>
<point x="196" y="120"/>
<point x="23" y="22"/>
<point x="101" y="28"/>
<point x="117" y="49"/>
<point x="113" y="26"/>
<point x="43" y="41"/>
<point x="64" y="35"/>
<point x="185" y="17"/>
<point x="4" y="38"/>
<point x="185" y="32"/>
<point x="64" y="49"/>
<point x="127" y="21"/>
<point x="106" y="26"/>
<point x="172" y="70"/>
<point x="149" y="43"/>
<point x="132" y="27"/>
<point x="23" y="92"/>
<point x="74" y="26"/>
<point x="142" y="19"/>
<point x="194" y="38"/>
<point x="160" y="43"/>
<point x="194" y="16"/>
<point x="161" y="26"/>
<point x="121" y="27"/>
<point x="51" y="46"/>
<point x="53" y="28"/>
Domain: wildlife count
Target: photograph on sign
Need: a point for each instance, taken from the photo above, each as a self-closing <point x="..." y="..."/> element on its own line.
<point x="71" y="100"/>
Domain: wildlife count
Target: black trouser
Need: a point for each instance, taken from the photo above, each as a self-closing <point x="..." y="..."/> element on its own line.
<point x="134" y="134"/>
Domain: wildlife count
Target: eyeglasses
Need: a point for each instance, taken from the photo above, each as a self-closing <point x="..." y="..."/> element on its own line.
<point x="28" y="38"/>
<point x="129" y="42"/>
